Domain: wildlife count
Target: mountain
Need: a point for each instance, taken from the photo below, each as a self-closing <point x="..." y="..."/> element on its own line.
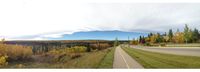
<point x="102" y="35"/>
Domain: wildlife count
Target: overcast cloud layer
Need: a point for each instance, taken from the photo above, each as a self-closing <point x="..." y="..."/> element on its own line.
<point x="43" y="19"/>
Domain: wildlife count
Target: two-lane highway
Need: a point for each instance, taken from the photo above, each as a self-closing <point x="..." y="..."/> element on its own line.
<point x="190" y="51"/>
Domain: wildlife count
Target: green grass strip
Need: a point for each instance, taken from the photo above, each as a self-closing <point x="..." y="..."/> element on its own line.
<point x="107" y="62"/>
<point x="161" y="60"/>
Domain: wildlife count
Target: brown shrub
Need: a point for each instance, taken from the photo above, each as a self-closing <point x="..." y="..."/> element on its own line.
<point x="74" y="55"/>
<point x="16" y="52"/>
<point x="100" y="46"/>
<point x="64" y="54"/>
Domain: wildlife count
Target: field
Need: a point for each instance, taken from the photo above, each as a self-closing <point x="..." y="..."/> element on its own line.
<point x="68" y="55"/>
<point x="87" y="60"/>
<point x="160" y="60"/>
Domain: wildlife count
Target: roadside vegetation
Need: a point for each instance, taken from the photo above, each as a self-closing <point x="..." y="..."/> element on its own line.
<point x="161" y="60"/>
<point x="186" y="37"/>
<point x="85" y="60"/>
<point x="21" y="56"/>
<point x="11" y="53"/>
<point x="107" y="61"/>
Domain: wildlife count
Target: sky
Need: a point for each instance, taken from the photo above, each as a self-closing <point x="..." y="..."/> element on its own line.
<point x="48" y="19"/>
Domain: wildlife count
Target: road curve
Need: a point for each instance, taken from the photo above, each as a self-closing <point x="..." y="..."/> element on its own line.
<point x="123" y="60"/>
<point x="170" y="50"/>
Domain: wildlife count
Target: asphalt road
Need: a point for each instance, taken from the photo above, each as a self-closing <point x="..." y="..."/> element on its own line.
<point x="190" y="51"/>
<point x="123" y="61"/>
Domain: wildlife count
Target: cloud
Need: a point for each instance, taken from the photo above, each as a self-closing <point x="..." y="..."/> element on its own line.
<point x="146" y="17"/>
<point x="43" y="19"/>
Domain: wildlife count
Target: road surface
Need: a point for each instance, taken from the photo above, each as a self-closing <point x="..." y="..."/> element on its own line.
<point x="123" y="60"/>
<point x="172" y="50"/>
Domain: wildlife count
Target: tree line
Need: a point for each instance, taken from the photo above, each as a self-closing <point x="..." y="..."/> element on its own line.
<point x="45" y="46"/>
<point x="187" y="36"/>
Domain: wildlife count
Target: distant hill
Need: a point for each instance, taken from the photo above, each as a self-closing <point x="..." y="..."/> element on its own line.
<point x="101" y="35"/>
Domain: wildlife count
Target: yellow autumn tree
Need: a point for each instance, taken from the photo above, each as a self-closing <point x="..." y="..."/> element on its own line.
<point x="15" y="52"/>
<point x="178" y="37"/>
<point x="3" y="61"/>
<point x="153" y="38"/>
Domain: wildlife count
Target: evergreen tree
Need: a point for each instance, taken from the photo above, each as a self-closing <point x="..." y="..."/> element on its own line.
<point x="198" y="35"/>
<point x="170" y="35"/>
<point x="140" y="39"/>
<point x="143" y="40"/>
<point x="159" y="38"/>
<point x="195" y="35"/>
<point x="186" y="33"/>
<point x="149" y="37"/>
<point x="151" y="34"/>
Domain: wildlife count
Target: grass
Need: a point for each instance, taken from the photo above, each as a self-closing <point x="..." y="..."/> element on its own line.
<point x="107" y="61"/>
<point x="161" y="60"/>
<point x="87" y="60"/>
<point x="91" y="60"/>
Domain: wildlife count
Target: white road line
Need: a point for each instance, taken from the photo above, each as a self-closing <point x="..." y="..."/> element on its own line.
<point x="124" y="59"/>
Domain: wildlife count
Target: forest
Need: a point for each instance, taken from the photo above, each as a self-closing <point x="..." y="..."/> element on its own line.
<point x="188" y="35"/>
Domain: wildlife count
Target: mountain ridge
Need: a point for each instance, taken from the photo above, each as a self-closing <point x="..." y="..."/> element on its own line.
<point x="101" y="35"/>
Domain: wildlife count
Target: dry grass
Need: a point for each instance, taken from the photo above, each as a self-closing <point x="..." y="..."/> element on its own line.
<point x="87" y="60"/>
